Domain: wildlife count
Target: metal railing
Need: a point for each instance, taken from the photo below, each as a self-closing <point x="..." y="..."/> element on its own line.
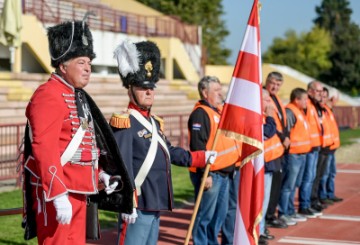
<point x="11" y="138"/>
<point x="347" y="116"/>
<point x="175" y="130"/>
<point x="108" y="19"/>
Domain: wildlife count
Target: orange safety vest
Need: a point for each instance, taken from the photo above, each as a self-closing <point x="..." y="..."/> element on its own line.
<point x="300" y="140"/>
<point x="228" y="150"/>
<point x="277" y="119"/>
<point x="334" y="129"/>
<point x="327" y="138"/>
<point x="314" y="123"/>
<point x="273" y="148"/>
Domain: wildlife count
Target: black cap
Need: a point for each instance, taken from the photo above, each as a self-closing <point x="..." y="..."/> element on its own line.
<point x="139" y="64"/>
<point x="69" y="40"/>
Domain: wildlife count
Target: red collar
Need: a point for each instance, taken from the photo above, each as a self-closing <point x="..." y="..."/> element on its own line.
<point x="145" y="113"/>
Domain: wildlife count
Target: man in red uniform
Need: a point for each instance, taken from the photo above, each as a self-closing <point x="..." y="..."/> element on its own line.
<point x="62" y="163"/>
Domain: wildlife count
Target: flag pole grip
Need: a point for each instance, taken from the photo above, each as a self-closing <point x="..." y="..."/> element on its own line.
<point x="201" y="191"/>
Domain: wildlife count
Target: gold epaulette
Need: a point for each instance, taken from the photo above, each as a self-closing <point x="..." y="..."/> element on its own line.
<point x="161" y="122"/>
<point x="120" y="120"/>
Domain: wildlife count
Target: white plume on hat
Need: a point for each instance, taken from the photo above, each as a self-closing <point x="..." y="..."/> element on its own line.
<point x="127" y="57"/>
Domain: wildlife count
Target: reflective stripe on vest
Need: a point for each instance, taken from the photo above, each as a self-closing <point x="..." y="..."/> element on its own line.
<point x="334" y="129"/>
<point x="277" y="119"/>
<point x="300" y="141"/>
<point x="273" y="148"/>
<point x="327" y="138"/>
<point x="314" y="123"/>
<point x="228" y="149"/>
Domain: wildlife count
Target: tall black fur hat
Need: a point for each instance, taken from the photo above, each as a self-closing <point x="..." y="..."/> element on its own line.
<point x="69" y="40"/>
<point x="139" y="63"/>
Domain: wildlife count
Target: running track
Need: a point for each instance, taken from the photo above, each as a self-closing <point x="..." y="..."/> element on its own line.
<point x="339" y="224"/>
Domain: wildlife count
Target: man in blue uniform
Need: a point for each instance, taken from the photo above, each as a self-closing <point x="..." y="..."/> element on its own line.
<point x="144" y="148"/>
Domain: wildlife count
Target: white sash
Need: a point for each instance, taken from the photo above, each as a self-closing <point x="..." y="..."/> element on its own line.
<point x="73" y="145"/>
<point x="148" y="126"/>
<point x="150" y="157"/>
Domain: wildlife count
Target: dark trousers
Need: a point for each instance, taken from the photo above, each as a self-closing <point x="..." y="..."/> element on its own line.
<point x="274" y="193"/>
<point x="320" y="170"/>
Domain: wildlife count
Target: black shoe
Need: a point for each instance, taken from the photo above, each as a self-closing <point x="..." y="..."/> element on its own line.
<point x="267" y="232"/>
<point x="267" y="237"/>
<point x="262" y="241"/>
<point x="276" y="223"/>
<point x="307" y="213"/>
<point x="336" y="199"/>
<point x="316" y="212"/>
<point x="323" y="205"/>
<point x="327" y="201"/>
<point x="317" y="207"/>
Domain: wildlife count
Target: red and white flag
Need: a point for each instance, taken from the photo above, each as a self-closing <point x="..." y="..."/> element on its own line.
<point x="241" y="119"/>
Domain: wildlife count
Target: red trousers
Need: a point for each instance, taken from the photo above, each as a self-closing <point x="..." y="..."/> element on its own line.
<point x="49" y="231"/>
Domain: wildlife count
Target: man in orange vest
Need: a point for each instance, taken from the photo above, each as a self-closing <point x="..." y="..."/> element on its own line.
<point x="273" y="149"/>
<point x="313" y="115"/>
<point x="202" y="125"/>
<point x="327" y="182"/>
<point x="325" y="140"/>
<point x="273" y="83"/>
<point x="296" y="157"/>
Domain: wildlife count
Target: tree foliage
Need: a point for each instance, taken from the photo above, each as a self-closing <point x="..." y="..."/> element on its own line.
<point x="205" y="13"/>
<point x="306" y="52"/>
<point x="334" y="16"/>
<point x="330" y="52"/>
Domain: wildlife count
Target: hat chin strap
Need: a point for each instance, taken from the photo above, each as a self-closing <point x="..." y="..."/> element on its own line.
<point x="144" y="108"/>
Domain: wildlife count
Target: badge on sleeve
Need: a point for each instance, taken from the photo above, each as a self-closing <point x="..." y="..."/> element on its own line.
<point x="141" y="132"/>
<point x="196" y="126"/>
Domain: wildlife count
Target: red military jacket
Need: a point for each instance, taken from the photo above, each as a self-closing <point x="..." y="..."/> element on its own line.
<point x="53" y="119"/>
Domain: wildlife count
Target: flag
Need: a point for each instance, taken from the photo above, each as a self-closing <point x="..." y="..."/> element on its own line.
<point x="241" y="119"/>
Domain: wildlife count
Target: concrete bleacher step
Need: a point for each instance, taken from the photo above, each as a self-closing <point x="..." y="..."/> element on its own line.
<point x="107" y="91"/>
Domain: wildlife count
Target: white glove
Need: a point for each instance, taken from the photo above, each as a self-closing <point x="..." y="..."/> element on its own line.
<point x="63" y="209"/>
<point x="210" y="156"/>
<point x="129" y="218"/>
<point x="105" y="178"/>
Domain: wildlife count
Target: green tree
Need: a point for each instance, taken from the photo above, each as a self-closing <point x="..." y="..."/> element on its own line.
<point x="335" y="16"/>
<point x="205" y="13"/>
<point x="307" y="52"/>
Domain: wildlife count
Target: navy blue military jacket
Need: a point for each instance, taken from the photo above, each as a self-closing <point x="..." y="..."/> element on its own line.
<point x="133" y="143"/>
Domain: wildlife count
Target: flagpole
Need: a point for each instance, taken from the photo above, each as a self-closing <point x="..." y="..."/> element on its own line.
<point x="201" y="191"/>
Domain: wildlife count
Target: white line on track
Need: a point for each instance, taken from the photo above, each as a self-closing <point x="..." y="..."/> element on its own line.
<point x="348" y="171"/>
<point x="315" y="241"/>
<point x="341" y="217"/>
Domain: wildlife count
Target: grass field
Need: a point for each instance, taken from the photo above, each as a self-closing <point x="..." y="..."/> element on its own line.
<point x="10" y="226"/>
<point x="349" y="136"/>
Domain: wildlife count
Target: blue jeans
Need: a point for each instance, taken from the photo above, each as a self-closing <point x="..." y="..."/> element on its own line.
<point x="331" y="179"/>
<point x="212" y="211"/>
<point x="327" y="181"/>
<point x="291" y="208"/>
<point x="227" y="230"/>
<point x="291" y="170"/>
<point x="308" y="179"/>
<point x="145" y="230"/>
<point x="267" y="190"/>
